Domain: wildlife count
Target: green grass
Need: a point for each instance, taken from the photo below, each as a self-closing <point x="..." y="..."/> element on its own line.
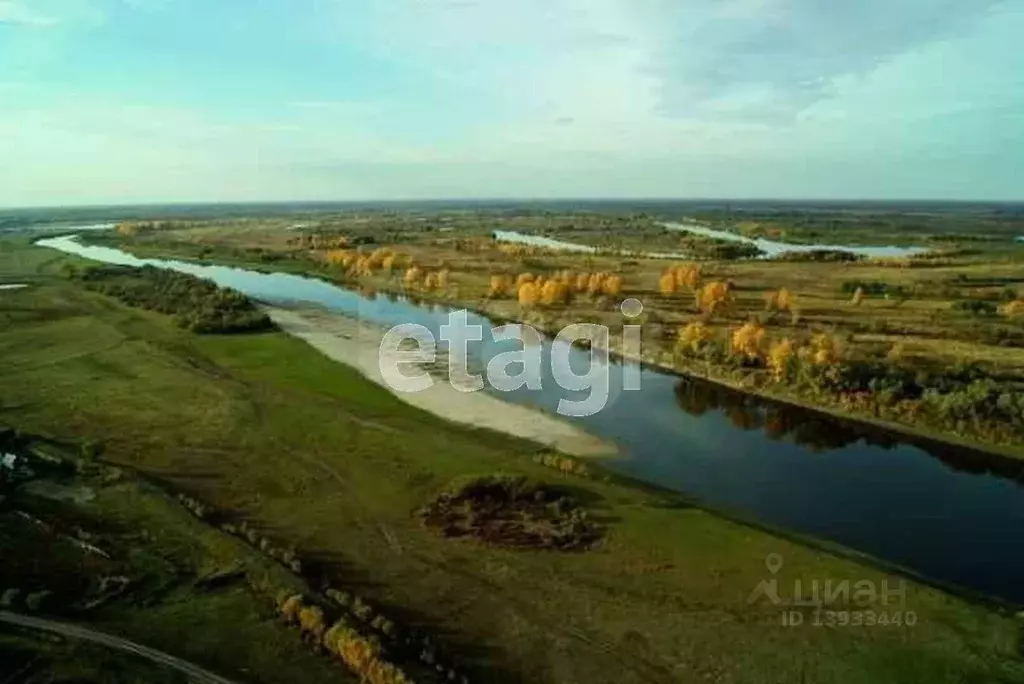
<point x="265" y="428"/>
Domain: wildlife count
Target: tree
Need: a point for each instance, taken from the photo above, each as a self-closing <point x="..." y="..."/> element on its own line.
<point x="824" y="350"/>
<point x="528" y="294"/>
<point x="430" y="282"/>
<point x="442" y="279"/>
<point x="582" y="282"/>
<point x="523" y="278"/>
<point x="687" y="276"/>
<point x="554" y="292"/>
<point x="413" y="275"/>
<point x="667" y="284"/>
<point x="500" y="285"/>
<point x="786" y="300"/>
<point x="780" y="356"/>
<point x="595" y="283"/>
<point x="858" y="296"/>
<point x="291" y="607"/>
<point x="748" y="340"/>
<point x="612" y="285"/>
<point x="713" y="297"/>
<point x="692" y="337"/>
<point x="311" y="622"/>
<point x="780" y="300"/>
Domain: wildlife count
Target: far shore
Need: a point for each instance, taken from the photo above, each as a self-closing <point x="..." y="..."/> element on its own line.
<point x="356" y="343"/>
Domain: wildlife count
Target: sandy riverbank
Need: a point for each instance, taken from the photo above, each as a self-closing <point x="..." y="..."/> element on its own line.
<point x="357" y="344"/>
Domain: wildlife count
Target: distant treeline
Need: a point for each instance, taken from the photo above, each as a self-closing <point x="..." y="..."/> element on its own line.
<point x="196" y="304"/>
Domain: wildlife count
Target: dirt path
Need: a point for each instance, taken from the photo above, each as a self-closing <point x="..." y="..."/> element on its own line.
<point x="193" y="672"/>
<point x="357" y="344"/>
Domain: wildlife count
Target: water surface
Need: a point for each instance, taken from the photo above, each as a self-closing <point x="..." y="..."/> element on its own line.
<point x="772" y="248"/>
<point x="516" y="237"/>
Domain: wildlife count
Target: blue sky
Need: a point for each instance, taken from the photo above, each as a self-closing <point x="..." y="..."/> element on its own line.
<point x="111" y="101"/>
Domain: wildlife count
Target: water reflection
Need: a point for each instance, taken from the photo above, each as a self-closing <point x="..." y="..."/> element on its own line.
<point x="820" y="433"/>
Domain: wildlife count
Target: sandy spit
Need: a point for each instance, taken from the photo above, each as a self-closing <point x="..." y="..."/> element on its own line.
<point x="357" y="344"/>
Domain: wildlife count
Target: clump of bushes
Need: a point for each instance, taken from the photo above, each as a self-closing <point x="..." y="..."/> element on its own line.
<point x="196" y="304"/>
<point x="875" y="287"/>
<point x="563" y="464"/>
<point x="976" y="307"/>
<point x="512" y="512"/>
<point x="825" y="255"/>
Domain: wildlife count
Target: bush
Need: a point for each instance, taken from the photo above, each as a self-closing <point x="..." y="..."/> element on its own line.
<point x="513" y="512"/>
<point x="976" y="307"/>
<point x="875" y="287"/>
<point x="821" y="255"/>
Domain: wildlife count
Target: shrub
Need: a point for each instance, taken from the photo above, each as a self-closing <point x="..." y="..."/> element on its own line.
<point x="975" y="307"/>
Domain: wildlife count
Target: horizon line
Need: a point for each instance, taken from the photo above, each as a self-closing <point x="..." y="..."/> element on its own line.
<point x="506" y="200"/>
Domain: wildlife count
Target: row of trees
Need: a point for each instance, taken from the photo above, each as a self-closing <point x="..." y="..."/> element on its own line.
<point x="363" y="655"/>
<point x="557" y="289"/>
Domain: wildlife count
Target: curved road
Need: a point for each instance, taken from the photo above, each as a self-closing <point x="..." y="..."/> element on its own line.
<point x="194" y="672"/>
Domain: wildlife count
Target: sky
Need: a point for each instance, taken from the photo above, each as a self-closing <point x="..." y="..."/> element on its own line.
<point x="139" y="101"/>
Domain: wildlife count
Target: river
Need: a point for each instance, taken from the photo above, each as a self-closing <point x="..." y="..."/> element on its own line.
<point x="772" y="248"/>
<point x="947" y="513"/>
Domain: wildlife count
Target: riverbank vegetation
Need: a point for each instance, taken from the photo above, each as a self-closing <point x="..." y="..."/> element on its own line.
<point x="933" y="344"/>
<point x="196" y="304"/>
<point x="261" y="430"/>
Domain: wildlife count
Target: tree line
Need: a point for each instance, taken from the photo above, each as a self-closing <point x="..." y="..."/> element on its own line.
<point x="196" y="304"/>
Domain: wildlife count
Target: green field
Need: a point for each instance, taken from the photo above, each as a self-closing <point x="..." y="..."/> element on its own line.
<point x="270" y="432"/>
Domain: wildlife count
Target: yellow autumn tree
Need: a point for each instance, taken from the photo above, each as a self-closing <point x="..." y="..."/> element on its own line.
<point x="786" y="300"/>
<point x="581" y="283"/>
<point x="779" y="355"/>
<point x="595" y="283"/>
<point x="413" y="275"/>
<point x="687" y="276"/>
<point x="713" y="297"/>
<point x="612" y="285"/>
<point x="523" y="278"/>
<point x="528" y="294"/>
<point x="748" y="340"/>
<point x="501" y="285"/>
<point x="430" y="282"/>
<point x="443" y="277"/>
<point x="554" y="292"/>
<point x="824" y="350"/>
<point x="780" y="300"/>
<point x="858" y="297"/>
<point x="667" y="283"/>
<point x="692" y="337"/>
